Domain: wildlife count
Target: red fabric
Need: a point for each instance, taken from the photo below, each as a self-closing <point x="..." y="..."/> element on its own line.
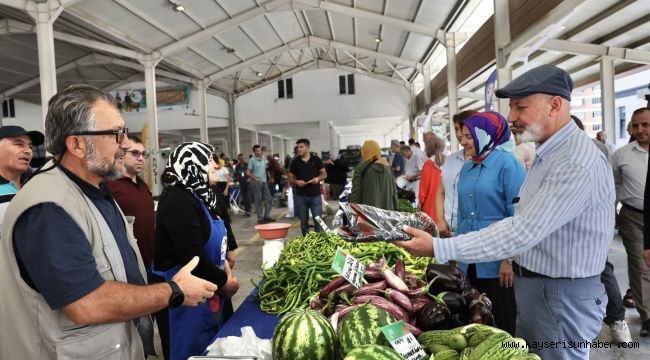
<point x="430" y="180"/>
<point x="135" y="200"/>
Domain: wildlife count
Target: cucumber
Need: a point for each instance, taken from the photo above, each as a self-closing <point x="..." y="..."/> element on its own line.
<point x="481" y="334"/>
<point x="466" y="353"/>
<point x="441" y="337"/>
<point x="457" y="342"/>
<point x="485" y="347"/>
<point x="436" y="348"/>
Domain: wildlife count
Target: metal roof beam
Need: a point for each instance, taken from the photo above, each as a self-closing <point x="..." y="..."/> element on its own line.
<point x="222" y="26"/>
<point x="570" y="47"/>
<point x="315" y="41"/>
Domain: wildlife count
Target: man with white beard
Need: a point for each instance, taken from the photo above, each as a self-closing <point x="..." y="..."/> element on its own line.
<point x="74" y="277"/>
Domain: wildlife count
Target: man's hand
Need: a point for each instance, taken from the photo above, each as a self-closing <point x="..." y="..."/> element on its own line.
<point x="232" y="285"/>
<point x="506" y="275"/>
<point x="315" y="180"/>
<point x="300" y="183"/>
<point x="196" y="290"/>
<point x="225" y="193"/>
<point x="421" y="243"/>
<point x="230" y="257"/>
<point x="646" y="255"/>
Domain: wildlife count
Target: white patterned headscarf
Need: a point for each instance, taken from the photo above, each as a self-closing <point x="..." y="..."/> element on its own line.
<point x="189" y="165"/>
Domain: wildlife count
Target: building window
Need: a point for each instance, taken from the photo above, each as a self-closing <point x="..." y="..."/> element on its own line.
<point x="596" y="114"/>
<point x="285" y="89"/>
<point x="595" y="100"/>
<point x="8" y="109"/>
<point x="595" y="127"/>
<point x="346" y="84"/>
<point x="622" y="128"/>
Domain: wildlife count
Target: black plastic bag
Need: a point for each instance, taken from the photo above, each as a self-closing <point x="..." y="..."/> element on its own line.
<point x="367" y="224"/>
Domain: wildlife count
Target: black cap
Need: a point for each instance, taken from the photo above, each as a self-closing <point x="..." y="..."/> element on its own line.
<point x="13" y="131"/>
<point x="545" y="79"/>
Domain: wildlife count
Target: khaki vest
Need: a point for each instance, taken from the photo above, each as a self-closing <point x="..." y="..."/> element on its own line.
<point x="30" y="328"/>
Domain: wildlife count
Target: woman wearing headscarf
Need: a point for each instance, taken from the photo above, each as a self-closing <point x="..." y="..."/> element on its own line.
<point x="187" y="226"/>
<point x="373" y="182"/>
<point x="430" y="177"/>
<point x="488" y="186"/>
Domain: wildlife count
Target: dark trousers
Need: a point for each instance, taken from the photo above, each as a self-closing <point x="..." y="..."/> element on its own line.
<point x="504" y="306"/>
<point x="245" y="197"/>
<point x="303" y="205"/>
<point x="335" y="191"/>
<point x="615" y="310"/>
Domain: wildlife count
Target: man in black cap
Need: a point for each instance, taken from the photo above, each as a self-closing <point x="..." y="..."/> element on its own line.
<point x="563" y="224"/>
<point x="15" y="154"/>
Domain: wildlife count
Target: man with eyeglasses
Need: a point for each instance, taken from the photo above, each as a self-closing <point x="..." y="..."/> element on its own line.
<point x="134" y="198"/>
<point x="75" y="285"/>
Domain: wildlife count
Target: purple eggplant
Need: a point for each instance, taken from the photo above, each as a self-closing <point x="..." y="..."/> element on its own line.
<point x="447" y="278"/>
<point x="344" y="311"/>
<point x="371" y="289"/>
<point x="413" y="293"/>
<point x="415" y="331"/>
<point x="380" y="302"/>
<point x="331" y="286"/>
<point x="343" y="289"/>
<point x="411" y="281"/>
<point x="470" y="294"/>
<point x="480" y="314"/>
<point x="316" y="304"/>
<point x="400" y="269"/>
<point x="400" y="299"/>
<point x="394" y="281"/>
<point x="434" y="316"/>
<point x="419" y="302"/>
<point x="455" y="302"/>
<point x="482" y="300"/>
<point x="373" y="275"/>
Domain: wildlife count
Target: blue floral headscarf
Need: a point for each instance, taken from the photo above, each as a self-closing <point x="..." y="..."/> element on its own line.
<point x="489" y="131"/>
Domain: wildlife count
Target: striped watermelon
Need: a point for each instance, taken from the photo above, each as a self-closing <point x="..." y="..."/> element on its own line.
<point x="304" y="334"/>
<point x="362" y="326"/>
<point x="373" y="352"/>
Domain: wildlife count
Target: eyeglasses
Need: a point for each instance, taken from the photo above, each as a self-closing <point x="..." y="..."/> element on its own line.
<point x="120" y="134"/>
<point x="137" y="153"/>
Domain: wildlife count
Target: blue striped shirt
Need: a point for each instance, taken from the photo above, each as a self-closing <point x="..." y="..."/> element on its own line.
<point x="564" y="221"/>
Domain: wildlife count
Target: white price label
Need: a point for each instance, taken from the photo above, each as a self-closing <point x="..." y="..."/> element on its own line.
<point x="403" y="341"/>
<point x="349" y="267"/>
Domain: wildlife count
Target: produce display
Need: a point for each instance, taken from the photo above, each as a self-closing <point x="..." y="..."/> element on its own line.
<point x="362" y="327"/>
<point x="373" y="352"/>
<point x="474" y="342"/>
<point x="367" y="223"/>
<point x="304" y="268"/>
<point x="304" y="334"/>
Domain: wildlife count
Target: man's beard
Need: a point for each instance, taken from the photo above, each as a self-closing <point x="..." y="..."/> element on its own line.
<point x="533" y="132"/>
<point x="104" y="167"/>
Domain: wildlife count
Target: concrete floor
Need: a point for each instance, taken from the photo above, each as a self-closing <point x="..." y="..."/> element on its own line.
<point x="249" y="262"/>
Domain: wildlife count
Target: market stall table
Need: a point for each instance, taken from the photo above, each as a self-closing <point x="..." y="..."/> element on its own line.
<point x="249" y="314"/>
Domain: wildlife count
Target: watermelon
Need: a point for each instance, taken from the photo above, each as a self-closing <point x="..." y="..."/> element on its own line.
<point x="362" y="326"/>
<point x="373" y="352"/>
<point x="304" y="334"/>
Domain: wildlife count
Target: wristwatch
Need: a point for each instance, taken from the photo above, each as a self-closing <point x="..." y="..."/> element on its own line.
<point x="509" y="260"/>
<point x="177" y="297"/>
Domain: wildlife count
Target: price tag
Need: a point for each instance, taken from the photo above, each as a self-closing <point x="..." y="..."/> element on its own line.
<point x="322" y="224"/>
<point x="349" y="267"/>
<point x="403" y="341"/>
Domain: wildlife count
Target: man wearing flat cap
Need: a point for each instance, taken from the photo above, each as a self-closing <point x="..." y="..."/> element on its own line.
<point x="15" y="155"/>
<point x="563" y="224"/>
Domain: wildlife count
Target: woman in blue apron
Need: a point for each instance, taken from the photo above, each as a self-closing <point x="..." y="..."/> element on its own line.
<point x="186" y="227"/>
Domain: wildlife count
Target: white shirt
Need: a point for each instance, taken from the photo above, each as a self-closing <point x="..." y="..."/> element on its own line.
<point x="417" y="152"/>
<point x="450" y="172"/>
<point x="630" y="164"/>
<point x="525" y="153"/>
<point x="413" y="165"/>
<point x="221" y="173"/>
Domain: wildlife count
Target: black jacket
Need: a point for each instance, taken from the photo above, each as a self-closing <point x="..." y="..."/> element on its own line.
<point x="182" y="230"/>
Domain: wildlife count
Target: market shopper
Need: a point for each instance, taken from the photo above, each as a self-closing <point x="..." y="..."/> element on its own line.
<point x="256" y="171"/>
<point x="337" y="176"/>
<point x="630" y="169"/>
<point x="447" y="193"/>
<point x="188" y="227"/>
<point x="398" y="160"/>
<point x="430" y="180"/>
<point x="244" y="183"/>
<point x="562" y="226"/>
<point x="134" y="198"/>
<point x="306" y="172"/>
<point x="15" y="155"/>
<point x="412" y="168"/>
<point x="76" y="276"/>
<point x="373" y="182"/>
<point x="487" y="186"/>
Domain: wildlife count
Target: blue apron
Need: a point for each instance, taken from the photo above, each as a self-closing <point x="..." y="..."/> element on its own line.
<point x="191" y="329"/>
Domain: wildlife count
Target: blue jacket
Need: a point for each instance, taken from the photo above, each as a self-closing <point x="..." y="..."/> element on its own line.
<point x="485" y="194"/>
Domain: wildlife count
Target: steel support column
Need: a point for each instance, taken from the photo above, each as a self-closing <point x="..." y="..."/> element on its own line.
<point x="426" y="78"/>
<point x="233" y="130"/>
<point x="202" y="86"/>
<point x="452" y="87"/>
<point x="149" y="64"/>
<point x="501" y="40"/>
<point x="608" y="97"/>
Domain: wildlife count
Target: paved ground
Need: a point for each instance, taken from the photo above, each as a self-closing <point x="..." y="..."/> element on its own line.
<point x="249" y="262"/>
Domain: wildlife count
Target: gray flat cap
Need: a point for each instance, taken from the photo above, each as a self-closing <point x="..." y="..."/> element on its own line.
<point x="545" y="79"/>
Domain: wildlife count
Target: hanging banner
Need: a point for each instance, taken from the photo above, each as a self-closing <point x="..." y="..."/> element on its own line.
<point x="135" y="100"/>
<point x="489" y="90"/>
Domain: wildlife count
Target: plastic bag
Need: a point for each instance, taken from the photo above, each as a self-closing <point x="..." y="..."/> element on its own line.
<point x="368" y="224"/>
<point x="246" y="345"/>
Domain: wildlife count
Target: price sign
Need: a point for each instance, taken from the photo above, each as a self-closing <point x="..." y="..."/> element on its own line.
<point x="322" y="224"/>
<point x="348" y="267"/>
<point x="403" y="341"/>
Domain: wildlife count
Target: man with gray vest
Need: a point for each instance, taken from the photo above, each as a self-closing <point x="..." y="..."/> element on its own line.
<point x="73" y="275"/>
